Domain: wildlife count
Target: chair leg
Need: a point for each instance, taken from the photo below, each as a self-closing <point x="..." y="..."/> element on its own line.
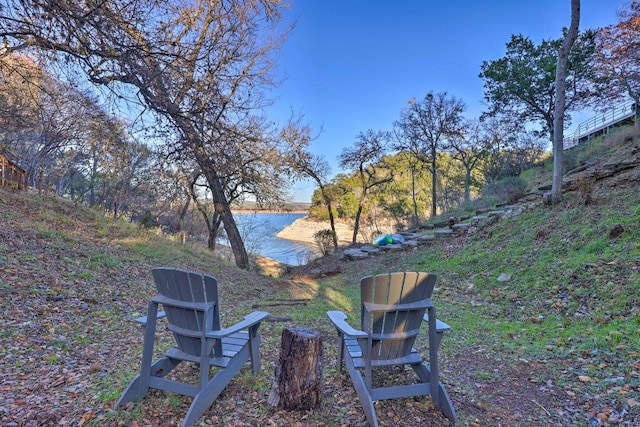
<point x="254" y="344"/>
<point x="341" y="350"/>
<point x="131" y="393"/>
<point x="363" y="392"/>
<point x="438" y="393"/>
<point x="446" y="406"/>
<point x="205" y="397"/>
<point x="137" y="389"/>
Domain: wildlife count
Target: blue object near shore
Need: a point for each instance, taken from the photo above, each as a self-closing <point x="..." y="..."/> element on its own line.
<point x="382" y="240"/>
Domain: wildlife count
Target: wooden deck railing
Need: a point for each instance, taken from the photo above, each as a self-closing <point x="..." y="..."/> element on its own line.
<point x="12" y="174"/>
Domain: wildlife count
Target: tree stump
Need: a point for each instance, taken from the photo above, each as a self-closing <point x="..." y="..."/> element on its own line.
<point x="298" y="374"/>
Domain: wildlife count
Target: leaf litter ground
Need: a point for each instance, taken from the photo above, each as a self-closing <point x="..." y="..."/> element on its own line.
<point x="70" y="286"/>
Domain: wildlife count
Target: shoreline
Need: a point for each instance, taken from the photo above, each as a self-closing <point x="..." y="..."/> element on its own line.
<point x="269" y="211"/>
<point x="303" y="229"/>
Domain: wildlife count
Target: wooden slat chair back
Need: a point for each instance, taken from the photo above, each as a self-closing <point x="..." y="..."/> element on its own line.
<point x="393" y="308"/>
<point x="191" y="306"/>
<point x="176" y="287"/>
<point x="398" y="326"/>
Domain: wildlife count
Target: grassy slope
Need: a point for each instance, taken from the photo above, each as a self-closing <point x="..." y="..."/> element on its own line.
<point x="556" y="343"/>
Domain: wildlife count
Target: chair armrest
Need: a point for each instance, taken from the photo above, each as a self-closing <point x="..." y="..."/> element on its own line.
<point x="440" y="325"/>
<point x="338" y="319"/>
<point x="143" y="320"/>
<point x="249" y="320"/>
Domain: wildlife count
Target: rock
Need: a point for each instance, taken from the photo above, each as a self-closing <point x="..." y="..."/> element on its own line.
<point x="492" y="220"/>
<point x="443" y="233"/>
<point x="354" y="254"/>
<point x="410" y="236"/>
<point x="462" y="227"/>
<point x="410" y="244"/>
<point x="425" y="239"/>
<point x="475" y="220"/>
<point x="504" y="277"/>
<point x="370" y="249"/>
<point x="391" y="247"/>
<point x="616" y="231"/>
<point x="517" y="212"/>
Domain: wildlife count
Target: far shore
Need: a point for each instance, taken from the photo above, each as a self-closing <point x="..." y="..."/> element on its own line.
<point x="303" y="229"/>
<point x="269" y="211"/>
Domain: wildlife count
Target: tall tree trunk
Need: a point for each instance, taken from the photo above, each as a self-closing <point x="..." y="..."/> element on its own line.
<point x="332" y="223"/>
<point x="467" y="185"/>
<point x="414" y="200"/>
<point x="558" y="113"/>
<point x="41" y="180"/>
<point x="356" y="225"/>
<point x="223" y="208"/>
<point x="332" y="220"/>
<point x="214" y="226"/>
<point x="183" y="213"/>
<point x="220" y="203"/>
<point x="434" y="186"/>
<point x="92" y="179"/>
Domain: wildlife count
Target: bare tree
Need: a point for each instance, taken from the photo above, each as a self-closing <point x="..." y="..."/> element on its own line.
<point x="198" y="65"/>
<point x="306" y="164"/>
<point x="43" y="120"/>
<point x="469" y="147"/>
<point x="415" y="162"/>
<point x="560" y="104"/>
<point x="426" y="126"/>
<point x="617" y="56"/>
<point x="365" y="156"/>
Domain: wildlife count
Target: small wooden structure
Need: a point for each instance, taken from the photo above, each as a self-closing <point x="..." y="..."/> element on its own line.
<point x="12" y="174"/>
<point x="298" y="376"/>
<point x="190" y="301"/>
<point x="393" y="308"/>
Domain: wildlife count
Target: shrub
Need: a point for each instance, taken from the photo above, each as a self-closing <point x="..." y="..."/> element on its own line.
<point x="570" y="159"/>
<point x="319" y="213"/>
<point x="324" y="240"/>
<point x="147" y="220"/>
<point x="585" y="185"/>
<point x="507" y="190"/>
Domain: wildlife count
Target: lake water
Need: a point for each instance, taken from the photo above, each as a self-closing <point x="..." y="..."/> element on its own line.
<point x="259" y="233"/>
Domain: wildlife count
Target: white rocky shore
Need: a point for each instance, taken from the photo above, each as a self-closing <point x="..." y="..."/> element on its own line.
<point x="302" y="230"/>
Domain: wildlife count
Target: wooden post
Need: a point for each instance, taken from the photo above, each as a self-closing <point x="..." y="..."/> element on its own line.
<point x="298" y="376"/>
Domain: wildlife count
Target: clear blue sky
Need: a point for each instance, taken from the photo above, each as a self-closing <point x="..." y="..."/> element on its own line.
<point x="352" y="65"/>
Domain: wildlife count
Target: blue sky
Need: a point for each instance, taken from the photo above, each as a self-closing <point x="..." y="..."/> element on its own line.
<point x="352" y="65"/>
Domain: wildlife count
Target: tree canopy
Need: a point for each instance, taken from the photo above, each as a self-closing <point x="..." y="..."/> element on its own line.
<point x="618" y="56"/>
<point x="425" y="128"/>
<point x="198" y="66"/>
<point x="521" y="85"/>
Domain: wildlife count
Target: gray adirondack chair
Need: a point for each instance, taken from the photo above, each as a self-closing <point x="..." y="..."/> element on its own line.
<point x="190" y="301"/>
<point x="393" y="307"/>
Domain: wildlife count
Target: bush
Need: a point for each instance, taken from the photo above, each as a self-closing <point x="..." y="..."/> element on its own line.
<point x="324" y="240"/>
<point x="147" y="220"/>
<point x="507" y="190"/>
<point x="319" y="213"/>
<point x="570" y="160"/>
<point x="585" y="186"/>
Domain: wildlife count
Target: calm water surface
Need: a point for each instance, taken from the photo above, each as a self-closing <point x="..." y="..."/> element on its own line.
<point x="259" y="233"/>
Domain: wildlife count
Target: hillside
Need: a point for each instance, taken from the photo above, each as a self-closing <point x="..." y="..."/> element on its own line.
<point x="545" y="310"/>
